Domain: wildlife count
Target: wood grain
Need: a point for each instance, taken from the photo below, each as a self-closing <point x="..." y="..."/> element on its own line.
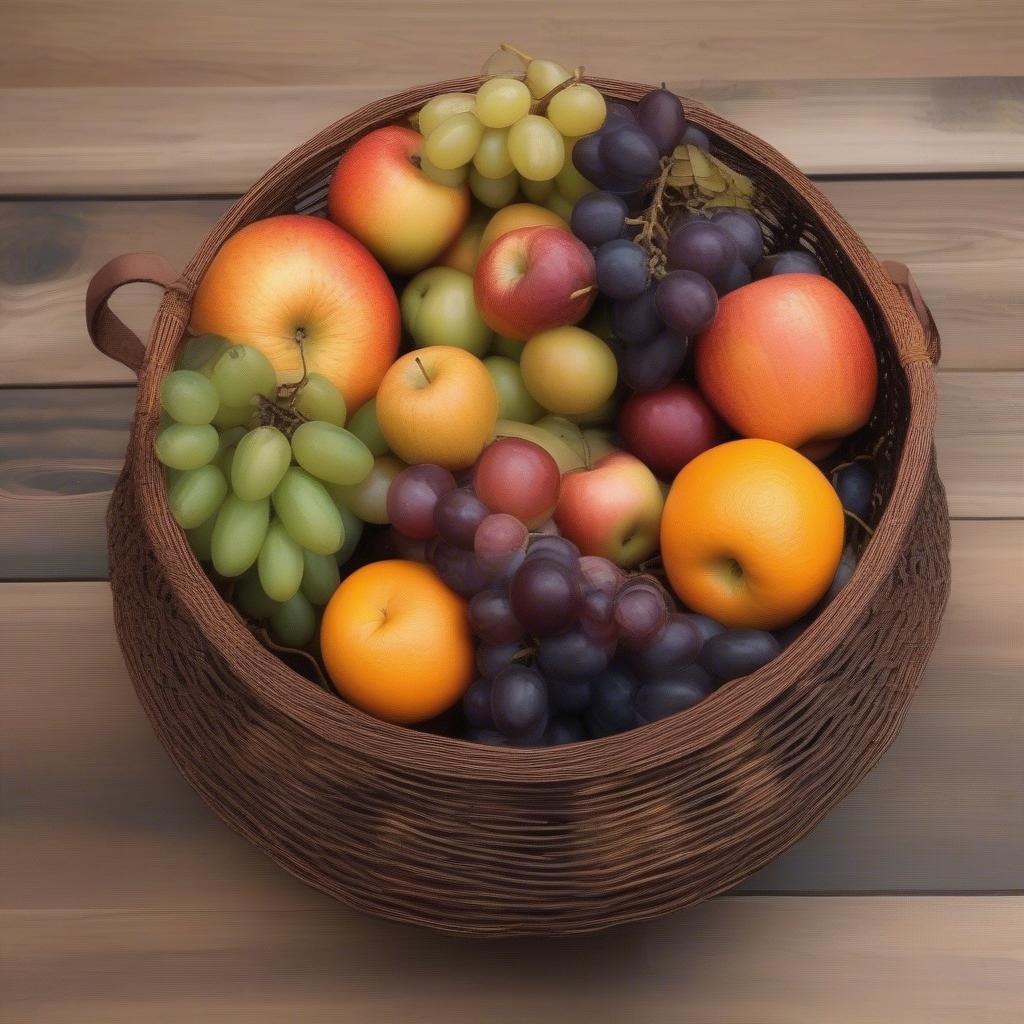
<point x="866" y="960"/>
<point x="95" y="815"/>
<point x="186" y="139"/>
<point x="49" y="42"/>
<point x="964" y="240"/>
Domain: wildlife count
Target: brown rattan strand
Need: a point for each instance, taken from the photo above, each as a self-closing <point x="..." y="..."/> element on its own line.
<point x="481" y="840"/>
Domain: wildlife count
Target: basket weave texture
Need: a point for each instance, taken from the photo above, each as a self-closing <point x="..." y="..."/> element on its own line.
<point x="471" y="839"/>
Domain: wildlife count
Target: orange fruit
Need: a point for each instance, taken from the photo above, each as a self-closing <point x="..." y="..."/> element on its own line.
<point x="751" y="534"/>
<point x="396" y="642"/>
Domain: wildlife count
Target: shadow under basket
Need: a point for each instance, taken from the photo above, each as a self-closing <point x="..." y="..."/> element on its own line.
<point x="479" y="840"/>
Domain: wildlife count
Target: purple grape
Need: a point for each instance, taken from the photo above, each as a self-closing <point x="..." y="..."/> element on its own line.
<point x="491" y="618"/>
<point x="569" y="695"/>
<point x="675" y="646"/>
<point x="587" y="160"/>
<point x="786" y="636"/>
<point x="637" y="320"/>
<point x="652" y="365"/>
<point x="571" y="655"/>
<point x="491" y="659"/>
<point x="519" y="701"/>
<point x="844" y="572"/>
<point x="597" y="619"/>
<point x="405" y="547"/>
<point x="669" y="694"/>
<point x="497" y="541"/>
<point x="459" y="569"/>
<point x="545" y="596"/>
<point x="640" y="613"/>
<point x="855" y="484"/>
<point x="564" y="729"/>
<point x="704" y="247"/>
<point x="488" y="736"/>
<point x="622" y="270"/>
<point x="686" y="301"/>
<point x="457" y="516"/>
<point x="795" y="261"/>
<point x="738" y="652"/>
<point x="617" y="115"/>
<point x="745" y="230"/>
<point x="694" y="136"/>
<point x="611" y="703"/>
<point x="598" y="218"/>
<point x="706" y="628"/>
<point x="601" y="574"/>
<point x="476" y="705"/>
<point x="413" y="496"/>
<point x="501" y="576"/>
<point x="737" y="277"/>
<point x="629" y="154"/>
<point x="558" y="549"/>
<point x="661" y="116"/>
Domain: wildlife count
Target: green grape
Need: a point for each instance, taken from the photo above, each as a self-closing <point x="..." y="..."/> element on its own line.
<point x="536" y="148"/>
<point x="440" y="108"/>
<point x="279" y="564"/>
<point x="501" y="102"/>
<point x="241" y="373"/>
<point x="196" y="495"/>
<point x="260" y="461"/>
<point x="233" y="416"/>
<point x="308" y="512"/>
<point x="199" y="539"/>
<point x="293" y="623"/>
<point x="200" y="351"/>
<point x="577" y="110"/>
<point x="353" y="529"/>
<point x="494" y="192"/>
<point x="365" y="426"/>
<point x="231" y="436"/>
<point x="186" y="446"/>
<point x="453" y="178"/>
<point x="189" y="397"/>
<point x="537" y="191"/>
<point x="491" y="158"/>
<point x="238" y="534"/>
<point x="557" y="203"/>
<point x="171" y="477"/>
<point x="319" y="399"/>
<point x="331" y="453"/>
<point x="251" y="597"/>
<point x="509" y="347"/>
<point x="226" y="459"/>
<point x="320" y="577"/>
<point x="543" y="75"/>
<point x="569" y="181"/>
<point x="453" y="142"/>
<point x="369" y="499"/>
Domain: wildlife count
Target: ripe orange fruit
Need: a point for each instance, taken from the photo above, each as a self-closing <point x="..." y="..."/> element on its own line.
<point x="396" y="642"/>
<point x="752" y="534"/>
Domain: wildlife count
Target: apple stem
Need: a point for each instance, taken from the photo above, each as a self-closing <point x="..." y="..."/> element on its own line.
<point x="423" y="370"/>
<point x="582" y="291"/>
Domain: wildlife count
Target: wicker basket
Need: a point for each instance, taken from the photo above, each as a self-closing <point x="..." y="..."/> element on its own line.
<point x="480" y="840"/>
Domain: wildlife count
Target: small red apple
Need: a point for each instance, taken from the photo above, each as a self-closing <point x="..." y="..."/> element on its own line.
<point x="533" y="279"/>
<point x="667" y="428"/>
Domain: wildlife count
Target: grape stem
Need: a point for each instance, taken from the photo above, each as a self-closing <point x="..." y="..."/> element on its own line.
<point x="516" y="52"/>
<point x="651" y="221"/>
<point x="860" y="522"/>
<point x="541" y="106"/>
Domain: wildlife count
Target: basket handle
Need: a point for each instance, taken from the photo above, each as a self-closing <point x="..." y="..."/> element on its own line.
<point x="900" y="275"/>
<point x="108" y="332"/>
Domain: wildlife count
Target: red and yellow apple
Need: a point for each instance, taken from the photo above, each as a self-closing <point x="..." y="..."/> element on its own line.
<point x="299" y="288"/>
<point x="381" y="196"/>
<point x="789" y="359"/>
<point x="612" y="510"/>
<point x="534" y="279"/>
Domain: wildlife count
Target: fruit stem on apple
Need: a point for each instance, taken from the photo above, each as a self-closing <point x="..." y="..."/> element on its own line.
<point x="423" y="370"/>
<point x="582" y="291"/>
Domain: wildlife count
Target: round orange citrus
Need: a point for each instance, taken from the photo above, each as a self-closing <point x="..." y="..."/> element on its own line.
<point x="396" y="642"/>
<point x="752" y="534"/>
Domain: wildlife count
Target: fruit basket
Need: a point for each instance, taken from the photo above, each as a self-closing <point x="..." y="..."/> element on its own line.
<point x="486" y="840"/>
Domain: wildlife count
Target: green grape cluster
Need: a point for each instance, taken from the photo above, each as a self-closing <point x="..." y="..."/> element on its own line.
<point x="515" y="135"/>
<point x="251" y="471"/>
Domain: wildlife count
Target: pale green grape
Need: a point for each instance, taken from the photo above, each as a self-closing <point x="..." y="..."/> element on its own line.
<point x="231" y="436"/>
<point x="353" y="530"/>
<point x="293" y="623"/>
<point x="453" y="142"/>
<point x="365" y="426"/>
<point x="201" y="351"/>
<point x="494" y="192"/>
<point x="543" y="75"/>
<point x="280" y="563"/>
<point x="200" y="537"/>
<point x="251" y="597"/>
<point x="536" y="191"/>
<point x="260" y="461"/>
<point x="238" y="534"/>
<point x="233" y="416"/>
<point x="242" y="372"/>
<point x="319" y="399"/>
<point x="536" y="148"/>
<point x="453" y="178"/>
<point x="331" y="453"/>
<point x="491" y="158"/>
<point x="569" y="181"/>
<point x="308" y="512"/>
<point x="186" y="446"/>
<point x="320" y="577"/>
<point x="440" y="108"/>
<point x="196" y="495"/>
<point x="225" y="460"/>
<point x="501" y="102"/>
<point x="189" y="397"/>
<point x="577" y="110"/>
<point x="557" y="203"/>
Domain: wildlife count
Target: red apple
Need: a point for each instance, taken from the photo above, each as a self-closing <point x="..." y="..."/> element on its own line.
<point x="667" y="428"/>
<point x="532" y="279"/>
<point x="613" y="510"/>
<point x="379" y="193"/>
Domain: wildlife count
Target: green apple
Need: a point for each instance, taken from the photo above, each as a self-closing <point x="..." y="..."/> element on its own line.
<point x="514" y="401"/>
<point x="599" y="443"/>
<point x="565" y="456"/>
<point x="510" y="348"/>
<point x="569" y="371"/>
<point x="565" y="429"/>
<point x="438" y="308"/>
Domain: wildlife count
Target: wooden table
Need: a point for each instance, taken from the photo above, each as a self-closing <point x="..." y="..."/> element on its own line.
<point x="128" y="125"/>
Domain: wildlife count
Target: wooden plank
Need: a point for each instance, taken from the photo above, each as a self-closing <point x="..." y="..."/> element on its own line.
<point x="774" y="960"/>
<point x="964" y="240"/>
<point x="96" y="816"/>
<point x="46" y="42"/>
<point x="61" y="450"/>
<point x="180" y="139"/>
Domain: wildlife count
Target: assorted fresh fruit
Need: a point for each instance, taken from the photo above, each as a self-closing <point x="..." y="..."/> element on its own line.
<point x="532" y="415"/>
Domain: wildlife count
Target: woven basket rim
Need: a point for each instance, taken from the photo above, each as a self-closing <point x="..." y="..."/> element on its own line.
<point x="335" y="721"/>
